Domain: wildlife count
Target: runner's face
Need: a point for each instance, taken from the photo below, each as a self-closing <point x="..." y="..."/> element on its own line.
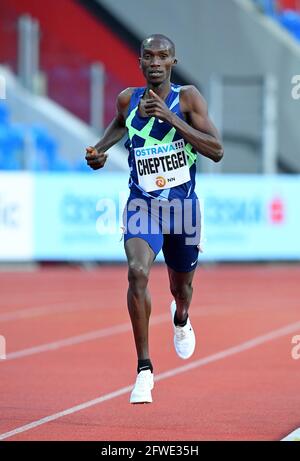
<point x="157" y="61"/>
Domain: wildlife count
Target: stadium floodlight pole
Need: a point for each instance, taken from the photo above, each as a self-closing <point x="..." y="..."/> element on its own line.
<point x="28" y="51"/>
<point x="35" y="56"/>
<point x="270" y="128"/>
<point x="2" y="87"/>
<point x="97" y="79"/>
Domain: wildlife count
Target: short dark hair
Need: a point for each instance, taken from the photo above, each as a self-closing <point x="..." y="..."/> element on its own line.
<point x="159" y="37"/>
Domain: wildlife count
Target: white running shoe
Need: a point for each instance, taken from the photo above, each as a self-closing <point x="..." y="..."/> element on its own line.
<point x="141" y="393"/>
<point x="184" y="337"/>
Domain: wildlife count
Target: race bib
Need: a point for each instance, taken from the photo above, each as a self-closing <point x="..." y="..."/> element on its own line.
<point x="162" y="166"/>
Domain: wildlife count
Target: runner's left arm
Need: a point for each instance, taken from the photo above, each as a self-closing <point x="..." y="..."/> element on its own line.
<point x="96" y="156"/>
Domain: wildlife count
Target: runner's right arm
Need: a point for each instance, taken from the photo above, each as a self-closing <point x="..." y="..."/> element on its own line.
<point x="96" y="156"/>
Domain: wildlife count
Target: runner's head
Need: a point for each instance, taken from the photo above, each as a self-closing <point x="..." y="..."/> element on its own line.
<point x="157" y="58"/>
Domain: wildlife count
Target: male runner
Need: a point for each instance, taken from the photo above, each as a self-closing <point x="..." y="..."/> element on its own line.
<point x="167" y="125"/>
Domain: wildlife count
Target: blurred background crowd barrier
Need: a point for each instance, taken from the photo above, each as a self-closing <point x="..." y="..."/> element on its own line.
<point x="75" y="217"/>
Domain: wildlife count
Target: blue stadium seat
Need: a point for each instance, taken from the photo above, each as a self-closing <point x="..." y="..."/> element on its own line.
<point x="11" y="148"/>
<point x="291" y="21"/>
<point x="14" y="139"/>
<point x="4" y="114"/>
<point x="47" y="157"/>
<point x="267" y="6"/>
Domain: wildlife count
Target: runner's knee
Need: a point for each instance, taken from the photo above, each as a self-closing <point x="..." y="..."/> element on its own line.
<point x="138" y="275"/>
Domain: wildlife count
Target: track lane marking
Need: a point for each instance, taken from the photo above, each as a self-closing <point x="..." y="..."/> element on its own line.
<point x="55" y="308"/>
<point x="94" y="334"/>
<point x="246" y="345"/>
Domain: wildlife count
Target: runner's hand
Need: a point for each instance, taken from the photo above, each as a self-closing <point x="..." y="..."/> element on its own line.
<point x="94" y="158"/>
<point x="156" y="107"/>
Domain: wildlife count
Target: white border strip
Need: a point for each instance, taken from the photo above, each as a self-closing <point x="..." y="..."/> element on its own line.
<point x="168" y="374"/>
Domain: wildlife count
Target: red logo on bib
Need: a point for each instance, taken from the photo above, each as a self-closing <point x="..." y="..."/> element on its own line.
<point x="160" y="181"/>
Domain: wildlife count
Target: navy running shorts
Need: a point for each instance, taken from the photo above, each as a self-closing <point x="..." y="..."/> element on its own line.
<point x="173" y="226"/>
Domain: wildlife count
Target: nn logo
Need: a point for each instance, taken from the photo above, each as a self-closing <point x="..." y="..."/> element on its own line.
<point x="2" y="348"/>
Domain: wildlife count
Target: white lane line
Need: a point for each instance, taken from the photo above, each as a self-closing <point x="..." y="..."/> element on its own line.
<point x="69" y="411"/>
<point x="68" y="341"/>
<point x="61" y="307"/>
<point x="12" y="300"/>
<point x="275" y="334"/>
<point x="95" y="334"/>
<point x="38" y="311"/>
<point x="90" y="336"/>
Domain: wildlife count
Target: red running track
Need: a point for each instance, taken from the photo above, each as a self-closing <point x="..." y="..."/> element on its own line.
<point x="69" y="343"/>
